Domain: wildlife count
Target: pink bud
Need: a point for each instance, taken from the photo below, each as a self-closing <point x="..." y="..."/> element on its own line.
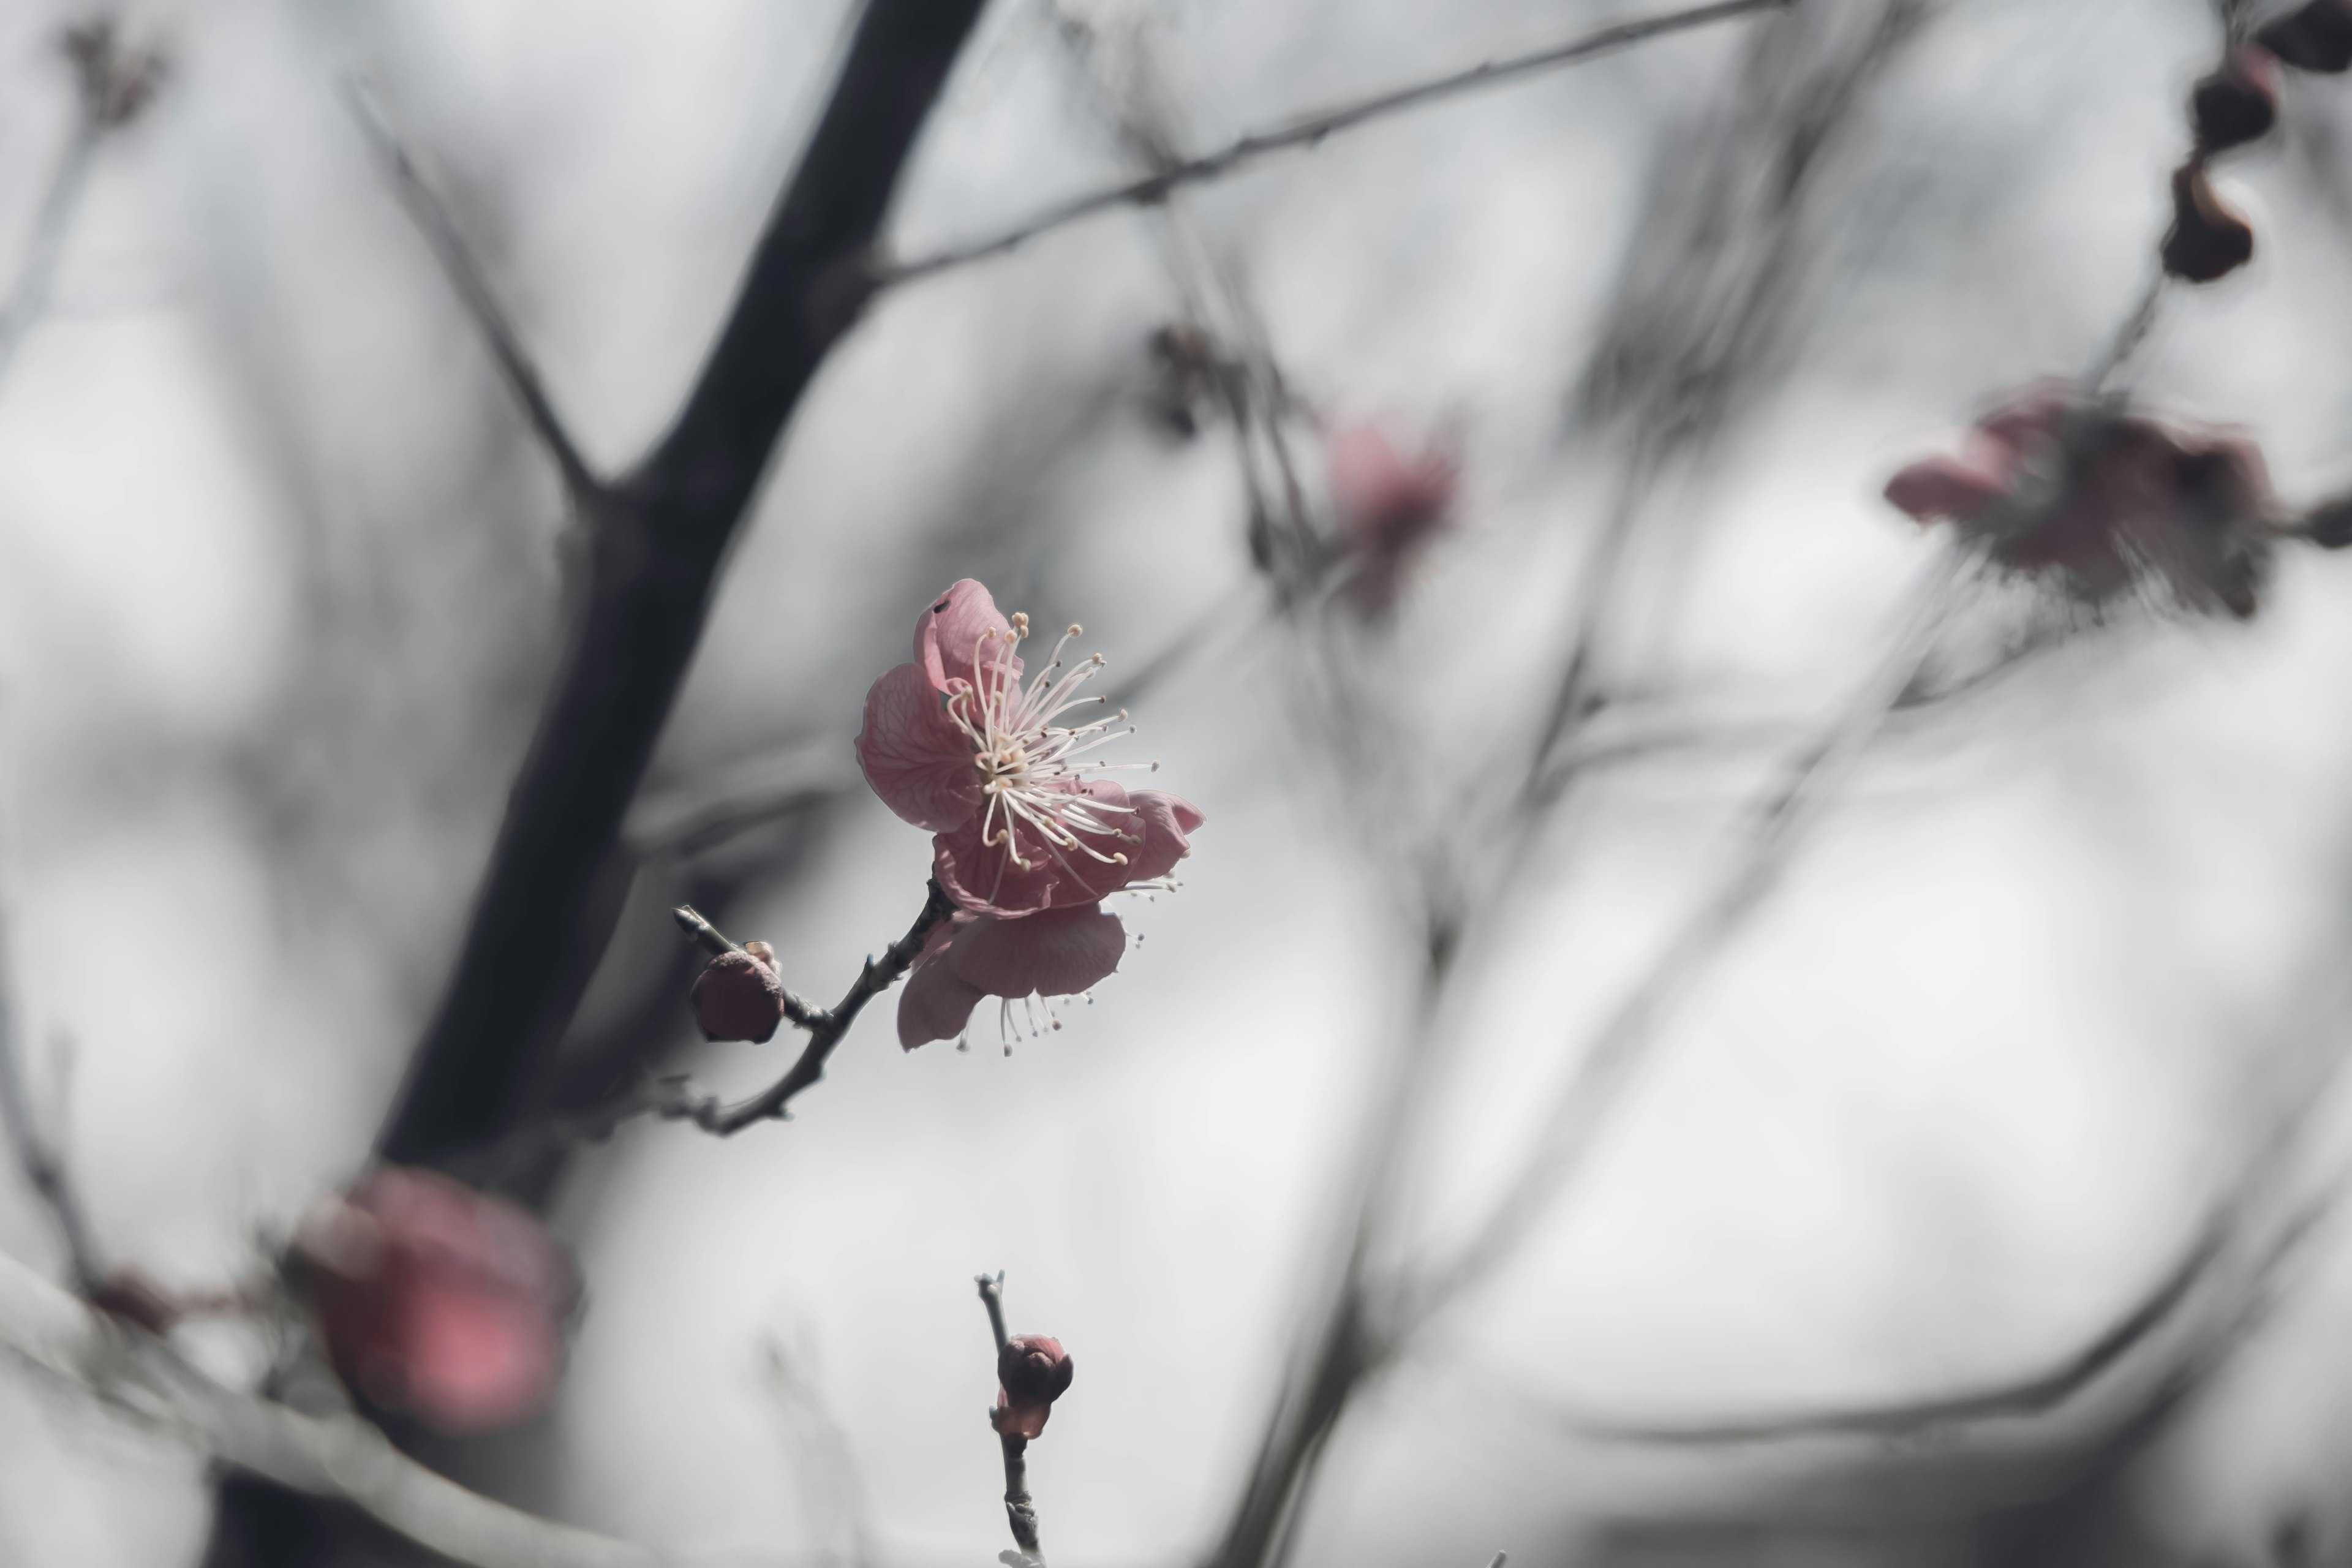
<point x="740" y="997"/>
<point x="2236" y="104"/>
<point x="2206" y="239"/>
<point x="439" y="1302"/>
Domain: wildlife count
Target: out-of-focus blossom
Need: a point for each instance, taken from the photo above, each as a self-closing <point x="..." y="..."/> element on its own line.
<point x="116" y="80"/>
<point x="2235" y="105"/>
<point x="2206" y="240"/>
<point x="1024" y="826"/>
<point x="739" y="995"/>
<point x="2318" y="37"/>
<point x="1391" y="502"/>
<point x="2098" y="499"/>
<point x="438" y="1301"/>
<point x="1032" y="1372"/>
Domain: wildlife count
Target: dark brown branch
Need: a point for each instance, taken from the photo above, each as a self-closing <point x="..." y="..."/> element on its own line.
<point x="655" y="541"/>
<point x="1020" y="1510"/>
<point x="1310" y="128"/>
<point x="440" y="231"/>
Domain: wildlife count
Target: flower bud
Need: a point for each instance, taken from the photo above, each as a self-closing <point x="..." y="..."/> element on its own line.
<point x="1034" y="1371"/>
<point x="2206" y="239"/>
<point x="2316" y="38"/>
<point x="740" y="997"/>
<point x="2236" y="104"/>
<point x="439" y="1300"/>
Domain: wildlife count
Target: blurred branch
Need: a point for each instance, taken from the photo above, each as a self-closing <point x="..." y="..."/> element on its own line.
<point x="334" y="1456"/>
<point x="41" y="1157"/>
<point x="115" y="83"/>
<point x="440" y="231"/>
<point x="1310" y="130"/>
<point x="1020" y="1512"/>
<point x="655" y="541"/>
<point x="683" y="820"/>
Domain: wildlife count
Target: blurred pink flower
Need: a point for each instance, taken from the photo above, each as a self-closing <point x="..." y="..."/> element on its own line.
<point x="439" y="1302"/>
<point x="2060" y="487"/>
<point x="1389" y="504"/>
<point x="954" y="742"/>
<point x="1032" y="1372"/>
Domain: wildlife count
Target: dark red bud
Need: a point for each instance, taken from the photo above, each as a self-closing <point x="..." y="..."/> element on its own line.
<point x="2236" y="104"/>
<point x="1035" y="1371"/>
<point x="2316" y="38"/>
<point x="2206" y="239"/>
<point x="740" y="997"/>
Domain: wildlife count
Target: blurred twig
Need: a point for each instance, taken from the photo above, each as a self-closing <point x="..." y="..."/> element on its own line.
<point x="39" y="1155"/>
<point x="1020" y="1512"/>
<point x="115" y="83"/>
<point x="1309" y="130"/>
<point x="440" y="231"/>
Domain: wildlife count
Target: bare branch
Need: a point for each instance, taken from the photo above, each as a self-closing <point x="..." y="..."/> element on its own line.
<point x="1309" y="130"/>
<point x="39" y="1155"/>
<point x="656" y="544"/>
<point x="338" y="1457"/>
<point x="1019" y="1512"/>
<point x="440" y="231"/>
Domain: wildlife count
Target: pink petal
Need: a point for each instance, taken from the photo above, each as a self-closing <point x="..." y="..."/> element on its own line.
<point x="916" y="757"/>
<point x="1164" y="820"/>
<point x="471" y="1359"/>
<point x="936" y="1004"/>
<point x="1058" y="953"/>
<point x="960" y="637"/>
<point x="1944" y="488"/>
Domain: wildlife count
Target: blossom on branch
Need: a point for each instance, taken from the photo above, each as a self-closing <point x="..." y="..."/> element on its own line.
<point x="439" y="1302"/>
<point x="1032" y="1372"/>
<point x="2098" y="499"/>
<point x="1028" y="837"/>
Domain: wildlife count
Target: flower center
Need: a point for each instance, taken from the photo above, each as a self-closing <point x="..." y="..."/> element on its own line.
<point x="1031" y="777"/>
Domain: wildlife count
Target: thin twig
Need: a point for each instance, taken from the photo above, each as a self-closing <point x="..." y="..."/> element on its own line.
<point x="1310" y="128"/>
<point x="1019" y="1512"/>
<point x="440" y="230"/>
<point x="30" y="296"/>
<point x="39" y="1155"/>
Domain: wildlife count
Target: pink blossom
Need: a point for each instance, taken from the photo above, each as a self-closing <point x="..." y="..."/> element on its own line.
<point x="439" y="1302"/>
<point x="1024" y="823"/>
<point x="1054" y="952"/>
<point x="2097" y="500"/>
<point x="1389" y="504"/>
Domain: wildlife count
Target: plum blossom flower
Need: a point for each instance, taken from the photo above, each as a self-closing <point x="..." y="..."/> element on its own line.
<point x="1032" y="1372"/>
<point x="1391" y="502"/>
<point x="1026" y="825"/>
<point x="439" y="1302"/>
<point x="2097" y="500"/>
